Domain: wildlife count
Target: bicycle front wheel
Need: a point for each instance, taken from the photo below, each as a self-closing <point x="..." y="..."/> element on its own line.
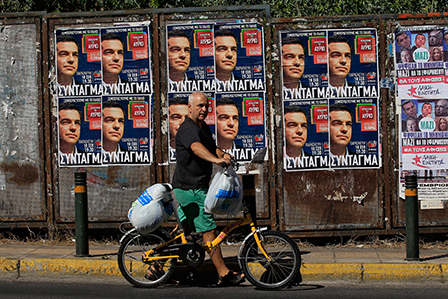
<point x="132" y="267"/>
<point x="276" y="271"/>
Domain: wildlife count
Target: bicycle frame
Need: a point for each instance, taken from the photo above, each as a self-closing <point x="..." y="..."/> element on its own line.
<point x="247" y="220"/>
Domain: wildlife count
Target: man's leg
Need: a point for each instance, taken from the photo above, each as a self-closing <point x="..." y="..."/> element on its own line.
<point x="216" y="254"/>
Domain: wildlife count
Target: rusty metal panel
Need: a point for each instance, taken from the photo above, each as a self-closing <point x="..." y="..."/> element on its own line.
<point x="22" y="195"/>
<point x="323" y="200"/>
<point x="110" y="192"/>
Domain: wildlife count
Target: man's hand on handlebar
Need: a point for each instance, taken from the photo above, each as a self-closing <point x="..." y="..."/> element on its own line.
<point x="225" y="160"/>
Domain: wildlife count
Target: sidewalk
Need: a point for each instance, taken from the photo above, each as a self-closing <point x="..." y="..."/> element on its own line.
<point x="318" y="263"/>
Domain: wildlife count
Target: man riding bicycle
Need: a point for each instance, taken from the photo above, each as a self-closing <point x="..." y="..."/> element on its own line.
<point x="196" y="152"/>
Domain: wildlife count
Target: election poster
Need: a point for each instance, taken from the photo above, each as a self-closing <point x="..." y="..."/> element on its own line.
<point x="224" y="60"/>
<point x="240" y="123"/>
<point x="178" y="111"/>
<point x="79" y="131"/>
<point x="334" y="133"/>
<point x="126" y="126"/>
<point x="190" y="58"/>
<point x="354" y="133"/>
<point x="239" y="57"/>
<point x="329" y="64"/>
<point x="306" y="135"/>
<point x="78" y="62"/>
<point x="125" y="60"/>
<point x="424" y="136"/>
<point x="419" y="62"/>
<point x="92" y="65"/>
<point x="303" y="63"/>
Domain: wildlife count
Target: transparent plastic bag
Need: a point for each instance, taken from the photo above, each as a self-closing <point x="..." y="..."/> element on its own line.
<point x="225" y="195"/>
<point x="153" y="207"/>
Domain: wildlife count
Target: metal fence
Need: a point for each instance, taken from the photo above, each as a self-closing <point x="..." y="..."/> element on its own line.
<point x="35" y="192"/>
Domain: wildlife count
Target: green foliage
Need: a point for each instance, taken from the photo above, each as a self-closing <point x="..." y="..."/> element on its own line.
<point x="279" y="8"/>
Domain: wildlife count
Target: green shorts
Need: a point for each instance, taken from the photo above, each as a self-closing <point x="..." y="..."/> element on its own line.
<point x="191" y="208"/>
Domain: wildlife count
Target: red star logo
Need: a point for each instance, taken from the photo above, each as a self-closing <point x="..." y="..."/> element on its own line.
<point x="417" y="160"/>
<point x="412" y="92"/>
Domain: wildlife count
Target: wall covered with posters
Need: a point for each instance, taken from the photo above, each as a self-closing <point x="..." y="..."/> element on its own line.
<point x="421" y="63"/>
<point x="330" y="99"/>
<point x="306" y="102"/>
<point x="226" y="61"/>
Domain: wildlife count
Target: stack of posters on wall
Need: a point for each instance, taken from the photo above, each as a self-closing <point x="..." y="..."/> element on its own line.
<point x="330" y="99"/>
<point x="225" y="61"/>
<point x="421" y="64"/>
<point x="104" y="89"/>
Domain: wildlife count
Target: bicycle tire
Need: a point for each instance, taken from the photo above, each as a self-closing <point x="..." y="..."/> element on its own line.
<point x="278" y="273"/>
<point x="130" y="260"/>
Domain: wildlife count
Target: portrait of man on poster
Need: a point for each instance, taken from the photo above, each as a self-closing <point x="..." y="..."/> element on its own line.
<point x="435" y="38"/>
<point x="441" y="107"/>
<point x="339" y="61"/>
<point x="410" y="110"/>
<point x="426" y="110"/>
<point x="226" y="52"/>
<point x="69" y="128"/>
<point x="112" y="58"/>
<point x="293" y="63"/>
<point x="177" y="111"/>
<point x="341" y="128"/>
<point x="113" y="126"/>
<point x="296" y="131"/>
<point x="403" y="40"/>
<point x="67" y="55"/>
<point x="227" y="124"/>
<point x="179" y="50"/>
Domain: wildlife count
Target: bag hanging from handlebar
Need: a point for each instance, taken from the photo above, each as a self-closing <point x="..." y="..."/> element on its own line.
<point x="225" y="195"/>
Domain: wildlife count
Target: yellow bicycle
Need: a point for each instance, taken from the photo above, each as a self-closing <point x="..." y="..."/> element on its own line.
<point x="270" y="260"/>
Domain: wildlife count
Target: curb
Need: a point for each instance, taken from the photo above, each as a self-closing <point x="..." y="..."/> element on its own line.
<point x="375" y="272"/>
<point x="310" y="271"/>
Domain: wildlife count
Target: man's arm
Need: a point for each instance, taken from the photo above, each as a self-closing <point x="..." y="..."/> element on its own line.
<point x="202" y="152"/>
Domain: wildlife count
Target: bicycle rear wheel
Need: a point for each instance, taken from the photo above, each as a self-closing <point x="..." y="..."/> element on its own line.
<point x="276" y="273"/>
<point x="132" y="267"/>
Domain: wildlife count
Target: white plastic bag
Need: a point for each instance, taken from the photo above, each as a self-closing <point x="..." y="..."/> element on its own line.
<point x="225" y="195"/>
<point x="149" y="211"/>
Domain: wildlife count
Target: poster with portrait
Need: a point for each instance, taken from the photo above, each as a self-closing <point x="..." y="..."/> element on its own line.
<point x="424" y="137"/>
<point x="305" y="128"/>
<point x="419" y="66"/>
<point x="239" y="57"/>
<point x="329" y="64"/>
<point x="303" y="63"/>
<point x="178" y="111"/>
<point x="240" y="123"/>
<point x="78" y="62"/>
<point x="125" y="60"/>
<point x="79" y="131"/>
<point x="354" y="133"/>
<point x="126" y="127"/>
<point x="190" y="58"/>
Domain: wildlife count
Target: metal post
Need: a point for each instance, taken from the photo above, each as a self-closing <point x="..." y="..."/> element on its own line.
<point x="81" y="215"/>
<point x="412" y="237"/>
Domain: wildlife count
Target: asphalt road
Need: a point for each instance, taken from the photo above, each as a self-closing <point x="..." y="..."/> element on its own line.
<point x="97" y="287"/>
